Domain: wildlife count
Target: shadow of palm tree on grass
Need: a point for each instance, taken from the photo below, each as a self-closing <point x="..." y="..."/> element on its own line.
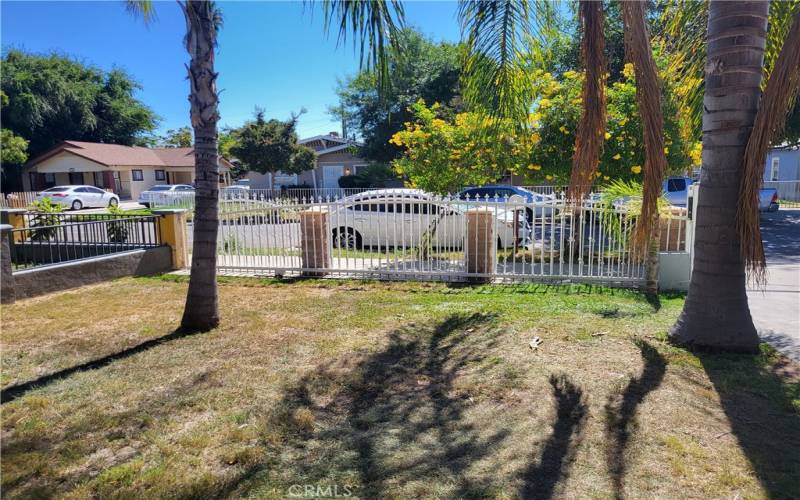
<point x="540" y="478"/>
<point x="397" y="416"/>
<point x="15" y="391"/>
<point x="621" y="412"/>
<point x="764" y="415"/>
<point x="401" y="419"/>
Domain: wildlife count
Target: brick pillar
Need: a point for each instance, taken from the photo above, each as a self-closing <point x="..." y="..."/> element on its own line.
<point x="7" y="294"/>
<point x="480" y="247"/>
<point x="315" y="240"/>
<point x="172" y="231"/>
<point x="15" y="217"/>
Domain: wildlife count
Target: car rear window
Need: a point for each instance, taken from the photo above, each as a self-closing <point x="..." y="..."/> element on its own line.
<point x="56" y="190"/>
<point x="160" y="188"/>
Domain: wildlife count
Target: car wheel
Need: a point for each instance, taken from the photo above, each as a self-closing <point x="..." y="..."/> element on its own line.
<point x="345" y="237"/>
<point x="77" y="205"/>
<point x="113" y="202"/>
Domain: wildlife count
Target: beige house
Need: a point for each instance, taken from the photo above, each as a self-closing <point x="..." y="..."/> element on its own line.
<point x="335" y="158"/>
<point x="126" y="170"/>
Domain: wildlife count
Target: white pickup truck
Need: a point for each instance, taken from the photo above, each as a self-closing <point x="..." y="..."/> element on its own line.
<point x="676" y="190"/>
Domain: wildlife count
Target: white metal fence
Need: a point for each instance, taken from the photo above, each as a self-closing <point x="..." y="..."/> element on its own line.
<point x="412" y="235"/>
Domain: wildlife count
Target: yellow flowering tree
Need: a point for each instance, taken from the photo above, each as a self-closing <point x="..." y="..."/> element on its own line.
<point x="556" y="117"/>
<point x="445" y="156"/>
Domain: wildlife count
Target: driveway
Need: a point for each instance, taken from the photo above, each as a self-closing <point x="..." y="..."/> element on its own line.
<point x="776" y="308"/>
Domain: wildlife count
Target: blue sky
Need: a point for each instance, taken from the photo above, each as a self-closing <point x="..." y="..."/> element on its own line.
<point x="271" y="54"/>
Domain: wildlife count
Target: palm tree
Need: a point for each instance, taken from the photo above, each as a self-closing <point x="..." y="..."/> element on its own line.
<point x="716" y="314"/>
<point x="375" y="22"/>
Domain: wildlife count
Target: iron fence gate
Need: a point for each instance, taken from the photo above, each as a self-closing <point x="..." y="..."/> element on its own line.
<point x="407" y="234"/>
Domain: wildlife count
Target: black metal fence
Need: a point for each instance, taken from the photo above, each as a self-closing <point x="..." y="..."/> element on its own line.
<point x="54" y="238"/>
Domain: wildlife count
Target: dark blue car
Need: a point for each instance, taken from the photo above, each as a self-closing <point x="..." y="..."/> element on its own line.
<point x="499" y="193"/>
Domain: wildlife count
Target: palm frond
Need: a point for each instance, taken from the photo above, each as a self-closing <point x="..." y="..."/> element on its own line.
<point x="591" y="129"/>
<point x="782" y="88"/>
<point x="684" y="24"/>
<point x="142" y="8"/>
<point x="495" y="72"/>
<point x="648" y="97"/>
<point x="375" y="24"/>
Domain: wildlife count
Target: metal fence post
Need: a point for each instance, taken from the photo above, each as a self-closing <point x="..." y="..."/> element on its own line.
<point x="481" y="244"/>
<point x="172" y="232"/>
<point x="315" y="242"/>
<point x="7" y="293"/>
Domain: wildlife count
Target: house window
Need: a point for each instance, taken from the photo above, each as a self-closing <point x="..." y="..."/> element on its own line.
<point x="160" y="175"/>
<point x="49" y="180"/>
<point x="76" y="178"/>
<point x="137" y="175"/>
<point x="775" y="169"/>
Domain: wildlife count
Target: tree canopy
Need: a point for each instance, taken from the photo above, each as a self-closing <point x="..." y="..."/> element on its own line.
<point x="268" y="146"/>
<point x="52" y="98"/>
<point x="425" y="70"/>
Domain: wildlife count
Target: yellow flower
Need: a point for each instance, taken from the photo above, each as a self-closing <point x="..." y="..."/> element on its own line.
<point x="608" y="136"/>
<point x="617" y="156"/>
<point x="628" y="70"/>
<point x="598" y="174"/>
<point x="534" y="167"/>
<point x="544" y="103"/>
<point x="666" y="151"/>
<point x="535" y="137"/>
<point x="570" y="74"/>
<point x="548" y="177"/>
<point x="605" y="177"/>
<point x="623" y="122"/>
<point x="564" y="129"/>
<point x="636" y="169"/>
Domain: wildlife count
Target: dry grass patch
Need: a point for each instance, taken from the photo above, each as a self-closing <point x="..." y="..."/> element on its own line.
<point x="388" y="390"/>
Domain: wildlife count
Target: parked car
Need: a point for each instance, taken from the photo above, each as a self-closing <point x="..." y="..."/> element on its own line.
<point x="155" y="194"/>
<point x="235" y="192"/>
<point x="676" y="190"/>
<point x="401" y="218"/>
<point x="504" y="193"/>
<point x="78" y="197"/>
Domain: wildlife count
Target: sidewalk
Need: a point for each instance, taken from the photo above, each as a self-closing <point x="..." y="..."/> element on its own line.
<point x="776" y="308"/>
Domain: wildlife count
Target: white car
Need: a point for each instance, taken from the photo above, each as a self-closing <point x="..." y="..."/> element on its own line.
<point x="161" y="193"/>
<point x="235" y="192"/>
<point x="402" y="217"/>
<point x="77" y="197"/>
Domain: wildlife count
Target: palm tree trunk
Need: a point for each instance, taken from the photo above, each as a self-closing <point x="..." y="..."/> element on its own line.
<point x="202" y="311"/>
<point x="716" y="314"/>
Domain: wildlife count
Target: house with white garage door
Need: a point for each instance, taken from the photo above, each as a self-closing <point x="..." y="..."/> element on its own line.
<point x="126" y="170"/>
<point x="336" y="157"/>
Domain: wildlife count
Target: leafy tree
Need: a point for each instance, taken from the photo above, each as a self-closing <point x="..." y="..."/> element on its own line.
<point x="177" y="138"/>
<point x="13" y="148"/>
<point x="445" y="155"/>
<point x="52" y="98"/>
<point x="426" y="70"/>
<point x="269" y="146"/>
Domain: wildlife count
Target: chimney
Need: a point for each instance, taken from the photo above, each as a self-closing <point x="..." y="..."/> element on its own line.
<point x="333" y="134"/>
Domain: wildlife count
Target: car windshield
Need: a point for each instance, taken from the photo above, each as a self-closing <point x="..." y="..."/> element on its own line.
<point x="160" y="188"/>
<point x="56" y="190"/>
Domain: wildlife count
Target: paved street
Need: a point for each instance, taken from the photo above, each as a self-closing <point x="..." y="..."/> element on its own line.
<point x="776" y="309"/>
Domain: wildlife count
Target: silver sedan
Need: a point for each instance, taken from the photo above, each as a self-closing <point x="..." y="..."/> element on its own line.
<point x="77" y="197"/>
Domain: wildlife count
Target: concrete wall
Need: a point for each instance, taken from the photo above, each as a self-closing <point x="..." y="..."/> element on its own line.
<point x="47" y="279"/>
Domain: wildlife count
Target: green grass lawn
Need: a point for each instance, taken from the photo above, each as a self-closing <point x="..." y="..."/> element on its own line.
<point x="399" y="390"/>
